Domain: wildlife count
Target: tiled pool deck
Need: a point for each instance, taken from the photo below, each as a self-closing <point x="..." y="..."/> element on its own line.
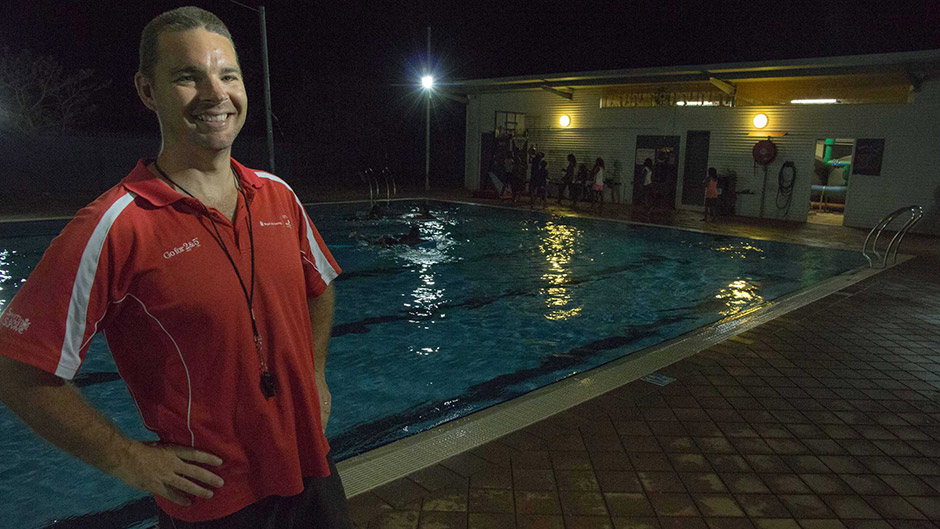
<point x="826" y="418"/>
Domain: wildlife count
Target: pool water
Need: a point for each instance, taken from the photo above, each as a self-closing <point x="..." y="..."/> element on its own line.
<point x="494" y="304"/>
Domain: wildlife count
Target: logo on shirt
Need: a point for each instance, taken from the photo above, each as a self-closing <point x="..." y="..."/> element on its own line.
<point x="15" y="322"/>
<point x="285" y="221"/>
<point x="185" y="247"/>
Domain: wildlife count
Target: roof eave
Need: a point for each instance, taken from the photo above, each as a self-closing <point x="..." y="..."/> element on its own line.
<point x="919" y="61"/>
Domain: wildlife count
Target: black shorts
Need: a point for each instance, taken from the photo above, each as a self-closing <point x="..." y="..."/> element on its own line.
<point x="711" y="202"/>
<point x="322" y="504"/>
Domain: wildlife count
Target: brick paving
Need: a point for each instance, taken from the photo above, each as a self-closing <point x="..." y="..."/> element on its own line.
<point x="826" y="418"/>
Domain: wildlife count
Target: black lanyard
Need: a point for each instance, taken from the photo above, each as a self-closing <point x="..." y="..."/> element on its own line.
<point x="268" y="380"/>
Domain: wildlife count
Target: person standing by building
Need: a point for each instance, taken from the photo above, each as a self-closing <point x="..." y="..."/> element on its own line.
<point x="538" y="184"/>
<point x="507" y="176"/>
<point x="597" y="189"/>
<point x="568" y="179"/>
<point x="711" y="193"/>
<point x="215" y="291"/>
<point x="649" y="197"/>
<point x="583" y="184"/>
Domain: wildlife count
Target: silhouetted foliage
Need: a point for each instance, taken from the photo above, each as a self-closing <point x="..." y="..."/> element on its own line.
<point x="38" y="96"/>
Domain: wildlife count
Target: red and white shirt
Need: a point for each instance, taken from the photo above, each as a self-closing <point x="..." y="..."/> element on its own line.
<point x="141" y="264"/>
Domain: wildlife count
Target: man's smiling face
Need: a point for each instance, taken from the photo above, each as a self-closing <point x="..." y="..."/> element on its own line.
<point x="197" y="90"/>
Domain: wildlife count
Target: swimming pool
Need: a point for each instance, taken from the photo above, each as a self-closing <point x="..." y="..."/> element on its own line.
<point x="496" y="303"/>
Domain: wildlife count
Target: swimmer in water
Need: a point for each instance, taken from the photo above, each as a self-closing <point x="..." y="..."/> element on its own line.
<point x="412" y="238"/>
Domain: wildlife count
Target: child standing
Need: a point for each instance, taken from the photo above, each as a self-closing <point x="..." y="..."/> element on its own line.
<point x="711" y="193"/>
<point x="539" y="182"/>
<point x="597" y="190"/>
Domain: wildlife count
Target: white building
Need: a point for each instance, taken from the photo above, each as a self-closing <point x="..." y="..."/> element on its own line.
<point x="878" y="114"/>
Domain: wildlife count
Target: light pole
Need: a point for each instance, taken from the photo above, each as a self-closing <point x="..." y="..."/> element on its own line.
<point x="269" y="129"/>
<point x="427" y="82"/>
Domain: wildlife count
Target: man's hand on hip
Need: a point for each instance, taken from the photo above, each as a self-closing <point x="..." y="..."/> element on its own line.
<point x="164" y="469"/>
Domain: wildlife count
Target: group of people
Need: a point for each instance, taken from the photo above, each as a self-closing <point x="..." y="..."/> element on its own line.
<point x="578" y="181"/>
<point x="514" y="182"/>
<point x="652" y="194"/>
<point x="581" y="183"/>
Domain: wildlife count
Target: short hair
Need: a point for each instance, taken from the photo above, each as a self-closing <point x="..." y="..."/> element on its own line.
<point x="179" y="19"/>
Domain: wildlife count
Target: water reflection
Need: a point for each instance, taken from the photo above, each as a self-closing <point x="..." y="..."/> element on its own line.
<point x="5" y="275"/>
<point x="429" y="295"/>
<point x="559" y="243"/>
<point x="738" y="297"/>
<point x="741" y="250"/>
<point x="423" y="351"/>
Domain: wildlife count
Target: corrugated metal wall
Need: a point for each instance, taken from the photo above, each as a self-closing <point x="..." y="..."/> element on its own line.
<point x="910" y="167"/>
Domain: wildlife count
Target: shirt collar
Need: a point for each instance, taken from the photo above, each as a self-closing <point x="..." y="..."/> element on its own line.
<point x="149" y="187"/>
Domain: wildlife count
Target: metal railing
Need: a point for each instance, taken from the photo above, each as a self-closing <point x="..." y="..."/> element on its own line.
<point x="375" y="181"/>
<point x="916" y="212"/>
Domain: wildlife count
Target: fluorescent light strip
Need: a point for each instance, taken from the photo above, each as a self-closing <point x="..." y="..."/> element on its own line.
<point x="813" y="101"/>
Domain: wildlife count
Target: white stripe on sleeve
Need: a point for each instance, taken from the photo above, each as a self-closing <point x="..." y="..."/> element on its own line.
<point x="70" y="359"/>
<point x="323" y="266"/>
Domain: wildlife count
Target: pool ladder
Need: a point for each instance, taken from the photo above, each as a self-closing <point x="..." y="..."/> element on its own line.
<point x="916" y="212"/>
<point x="375" y="181"/>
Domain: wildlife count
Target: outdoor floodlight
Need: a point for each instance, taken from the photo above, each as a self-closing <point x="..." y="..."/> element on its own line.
<point x="427" y="82"/>
<point x="760" y="121"/>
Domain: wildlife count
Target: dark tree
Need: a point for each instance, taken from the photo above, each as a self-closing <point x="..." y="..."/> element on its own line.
<point x="38" y="96"/>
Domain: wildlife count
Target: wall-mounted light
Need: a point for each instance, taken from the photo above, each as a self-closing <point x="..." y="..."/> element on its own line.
<point x="564" y="120"/>
<point x="760" y="121"/>
<point x="427" y="82"/>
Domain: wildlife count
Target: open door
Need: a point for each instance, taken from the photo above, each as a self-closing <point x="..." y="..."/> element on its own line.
<point x="664" y="153"/>
<point x="830" y="180"/>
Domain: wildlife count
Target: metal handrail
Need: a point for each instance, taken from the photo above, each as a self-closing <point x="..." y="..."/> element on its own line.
<point x="916" y="212"/>
<point x="366" y="177"/>
<point x="370" y="178"/>
<point x="389" y="178"/>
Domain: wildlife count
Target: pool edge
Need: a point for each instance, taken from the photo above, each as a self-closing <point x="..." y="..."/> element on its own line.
<point x="401" y="458"/>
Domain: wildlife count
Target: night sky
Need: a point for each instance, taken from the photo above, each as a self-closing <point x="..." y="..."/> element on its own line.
<point x="344" y="73"/>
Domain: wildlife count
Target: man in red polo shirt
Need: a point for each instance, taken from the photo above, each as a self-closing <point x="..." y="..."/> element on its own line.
<point x="213" y="289"/>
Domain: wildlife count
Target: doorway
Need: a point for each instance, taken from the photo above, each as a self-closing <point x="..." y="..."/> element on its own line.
<point x="696" y="167"/>
<point x="663" y="151"/>
<point x="832" y="165"/>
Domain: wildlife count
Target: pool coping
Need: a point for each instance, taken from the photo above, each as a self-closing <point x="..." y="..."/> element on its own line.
<point x="400" y="458"/>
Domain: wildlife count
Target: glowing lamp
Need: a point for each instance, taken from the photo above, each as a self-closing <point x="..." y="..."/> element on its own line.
<point x="760" y="121"/>
<point x="564" y="120"/>
<point x="427" y="82"/>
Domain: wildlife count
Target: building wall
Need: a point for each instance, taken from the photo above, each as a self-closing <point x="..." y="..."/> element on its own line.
<point x="909" y="173"/>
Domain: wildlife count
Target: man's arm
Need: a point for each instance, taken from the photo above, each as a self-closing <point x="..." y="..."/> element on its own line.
<point x="321" y="323"/>
<point x="56" y="411"/>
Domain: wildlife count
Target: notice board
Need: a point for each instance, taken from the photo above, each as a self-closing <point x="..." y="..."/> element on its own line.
<point x="868" y="155"/>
